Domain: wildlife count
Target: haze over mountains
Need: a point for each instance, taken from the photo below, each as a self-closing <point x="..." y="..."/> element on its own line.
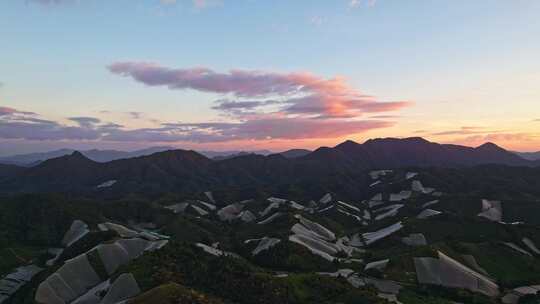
<point x="529" y="155"/>
<point x="32" y="159"/>
<point x="181" y="170"/>
<point x="102" y="156"/>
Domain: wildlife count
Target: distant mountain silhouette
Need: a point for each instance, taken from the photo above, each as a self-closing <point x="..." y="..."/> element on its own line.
<point x="179" y="170"/>
<point x="414" y="151"/>
<point x="76" y="171"/>
<point x="220" y="155"/>
<point x="529" y="155"/>
<point x="294" y="153"/>
<point x="64" y="170"/>
<point x="33" y="159"/>
<point x="110" y="155"/>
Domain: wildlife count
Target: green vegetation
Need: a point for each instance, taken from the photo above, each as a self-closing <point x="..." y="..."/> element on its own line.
<point x="173" y="293"/>
<point x="442" y="295"/>
<point x="41" y="220"/>
<point x="225" y="277"/>
<point x="13" y="257"/>
<point x="529" y="299"/>
<point x="182" y="273"/>
<point x="409" y="296"/>
<point x="313" y="288"/>
<point x="509" y="267"/>
<point x="430" y="296"/>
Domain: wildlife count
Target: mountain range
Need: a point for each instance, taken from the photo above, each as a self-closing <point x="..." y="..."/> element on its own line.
<point x="102" y="156"/>
<point x="404" y="220"/>
<point x="188" y="171"/>
<point x="32" y="159"/>
<point x="443" y="151"/>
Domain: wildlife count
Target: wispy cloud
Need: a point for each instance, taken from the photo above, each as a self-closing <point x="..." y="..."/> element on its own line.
<point x="500" y="138"/>
<point x="7" y="111"/>
<point x="384" y="116"/>
<point x="243" y="108"/>
<point x="469" y="130"/>
<point x="466" y="130"/>
<point x="200" y="3"/>
<point x="478" y="135"/>
<point x="86" y="122"/>
<point x="208" y="3"/>
<point x="260" y="129"/>
<point x="302" y="94"/>
<point x="371" y="3"/>
<point x="257" y="106"/>
<point x="266" y="105"/>
<point x="16" y="124"/>
<point x="359" y="3"/>
<point x="135" y="114"/>
<point x="317" y="20"/>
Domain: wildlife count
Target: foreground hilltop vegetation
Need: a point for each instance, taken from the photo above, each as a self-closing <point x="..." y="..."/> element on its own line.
<point x="413" y="239"/>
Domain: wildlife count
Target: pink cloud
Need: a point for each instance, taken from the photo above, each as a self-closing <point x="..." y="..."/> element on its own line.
<point x="266" y="127"/>
<point x="286" y="128"/>
<point x="528" y="141"/>
<point x="7" y="111"/>
<point x="300" y="93"/>
<point x="294" y="128"/>
<point x="468" y="130"/>
<point x="384" y="116"/>
<point x="263" y="105"/>
<point x="504" y="137"/>
<point x="12" y="111"/>
<point x="237" y="82"/>
<point x="259" y="106"/>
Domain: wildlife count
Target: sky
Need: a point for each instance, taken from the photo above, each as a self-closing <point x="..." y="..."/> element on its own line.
<point x="255" y="74"/>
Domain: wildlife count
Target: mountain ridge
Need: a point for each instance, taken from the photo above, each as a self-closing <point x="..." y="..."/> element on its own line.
<point x="178" y="170"/>
<point x="534" y="156"/>
<point x="33" y="159"/>
<point x="294" y="153"/>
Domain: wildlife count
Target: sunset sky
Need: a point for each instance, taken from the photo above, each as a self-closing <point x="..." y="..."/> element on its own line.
<point x="255" y="74"/>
